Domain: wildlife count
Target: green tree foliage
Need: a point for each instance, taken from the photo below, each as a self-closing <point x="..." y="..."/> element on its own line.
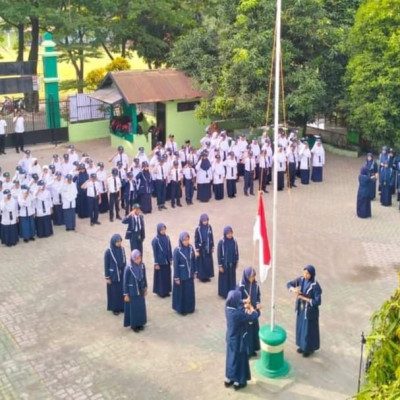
<point x="373" y="72"/>
<point x="383" y="343"/>
<point x="230" y="55"/>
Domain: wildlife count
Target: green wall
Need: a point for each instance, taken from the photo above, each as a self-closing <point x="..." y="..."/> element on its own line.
<point x="183" y="124"/>
<point x="132" y="148"/>
<point x="88" y="130"/>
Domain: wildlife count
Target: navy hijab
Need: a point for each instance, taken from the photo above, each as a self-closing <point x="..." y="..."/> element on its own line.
<point x="229" y="246"/>
<point x="234" y="299"/>
<point x="307" y="283"/>
<point x="136" y="268"/>
<point x="250" y="287"/>
<point x="117" y="252"/>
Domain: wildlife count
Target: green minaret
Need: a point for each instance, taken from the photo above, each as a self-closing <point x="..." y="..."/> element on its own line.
<point x="50" y="79"/>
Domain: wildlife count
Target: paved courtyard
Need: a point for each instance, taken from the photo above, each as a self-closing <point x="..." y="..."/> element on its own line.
<point x="57" y="341"/>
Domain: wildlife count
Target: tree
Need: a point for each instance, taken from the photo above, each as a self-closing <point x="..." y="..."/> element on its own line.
<point x="373" y="72"/>
<point x="230" y="55"/>
<point x="383" y="345"/>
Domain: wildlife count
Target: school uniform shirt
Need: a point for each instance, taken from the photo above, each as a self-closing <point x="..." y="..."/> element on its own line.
<point x="57" y="165"/>
<point x="249" y="164"/>
<point x="318" y="153"/>
<point x="175" y="175"/>
<point x="91" y="170"/>
<point x="3" y="125"/>
<point x="281" y="162"/>
<point x="48" y="178"/>
<point x="203" y="176"/>
<point x="130" y="185"/>
<point x="183" y="156"/>
<point x="242" y="145"/>
<point x="102" y="178"/>
<point x="73" y="156"/>
<point x="123" y="157"/>
<point x="15" y="192"/>
<point x="263" y="161"/>
<point x="121" y="174"/>
<point x="189" y="173"/>
<point x="224" y="146"/>
<point x="114" y="184"/>
<point x="173" y="146"/>
<point x="218" y="171"/>
<point x="43" y="203"/>
<point x="255" y="148"/>
<point x="19" y="124"/>
<point x="55" y="191"/>
<point x="69" y="192"/>
<point x="8" y="184"/>
<point x="161" y="172"/>
<point x="283" y="142"/>
<point x="93" y="188"/>
<point x="192" y="158"/>
<point x="35" y="169"/>
<point x="142" y="156"/>
<point x="305" y="158"/>
<point x="26" y="205"/>
<point x="231" y="168"/>
<point x="291" y="157"/>
<point x="9" y="211"/>
<point x="66" y="168"/>
<point x="25" y="162"/>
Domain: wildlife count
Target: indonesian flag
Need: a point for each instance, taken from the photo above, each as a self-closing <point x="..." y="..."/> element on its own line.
<point x="260" y="234"/>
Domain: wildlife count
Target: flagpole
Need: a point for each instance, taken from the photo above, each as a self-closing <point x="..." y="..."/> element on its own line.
<point x="276" y="131"/>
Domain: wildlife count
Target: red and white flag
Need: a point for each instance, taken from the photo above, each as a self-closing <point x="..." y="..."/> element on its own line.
<point x="260" y="234"/>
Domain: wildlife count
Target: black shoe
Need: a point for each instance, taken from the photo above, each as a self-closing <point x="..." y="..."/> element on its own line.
<point x="118" y="217"/>
<point x="307" y="353"/>
<point x="26" y="240"/>
<point x="116" y="312"/>
<point x="228" y="384"/>
<point x="160" y="208"/>
<point x="17" y="151"/>
<point x="111" y="219"/>
<point x="179" y="205"/>
<point x="135" y="329"/>
<point x="32" y="238"/>
<point x="238" y="386"/>
<point x="173" y="206"/>
<point x="299" y="350"/>
<point x="246" y="194"/>
<point x="141" y="328"/>
<point x="294" y="185"/>
<point x="98" y="223"/>
<point x="184" y="314"/>
<point x="164" y="208"/>
<point x="92" y="223"/>
<point x="252" y="194"/>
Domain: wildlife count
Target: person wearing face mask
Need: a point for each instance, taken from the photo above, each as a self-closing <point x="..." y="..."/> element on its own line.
<point x="308" y="299"/>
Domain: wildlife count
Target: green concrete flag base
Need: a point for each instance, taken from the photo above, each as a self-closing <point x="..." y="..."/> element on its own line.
<point x="272" y="363"/>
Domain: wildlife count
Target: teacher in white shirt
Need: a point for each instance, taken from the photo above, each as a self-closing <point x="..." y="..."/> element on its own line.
<point x="19" y="129"/>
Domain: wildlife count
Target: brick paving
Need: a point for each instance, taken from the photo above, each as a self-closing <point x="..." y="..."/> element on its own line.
<point x="57" y="341"/>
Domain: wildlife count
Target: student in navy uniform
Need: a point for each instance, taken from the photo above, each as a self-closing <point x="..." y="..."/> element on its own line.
<point x="93" y="198"/>
<point x="385" y="180"/>
<point x="69" y="192"/>
<point x="175" y="176"/>
<point x="364" y="193"/>
<point x="391" y="162"/>
<point x="250" y="290"/>
<point x="162" y="252"/>
<point x="144" y="188"/>
<point x="44" y="209"/>
<point x="129" y="191"/>
<point x="204" y="176"/>
<point x="81" y="201"/>
<point x="183" y="293"/>
<point x="228" y="257"/>
<point x="135" y="231"/>
<point x="135" y="290"/>
<point x="308" y="292"/>
<point x="114" y="190"/>
<point x="114" y="264"/>
<point x="373" y="173"/>
<point x="9" y="219"/>
<point x="238" y="316"/>
<point x="204" y="245"/>
<point x="26" y="204"/>
<point x="189" y="177"/>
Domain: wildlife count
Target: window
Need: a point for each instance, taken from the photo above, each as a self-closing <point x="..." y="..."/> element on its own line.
<point x="188" y="106"/>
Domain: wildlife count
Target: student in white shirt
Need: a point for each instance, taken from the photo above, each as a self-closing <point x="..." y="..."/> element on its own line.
<point x="19" y="129"/>
<point x="3" y="125"/>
